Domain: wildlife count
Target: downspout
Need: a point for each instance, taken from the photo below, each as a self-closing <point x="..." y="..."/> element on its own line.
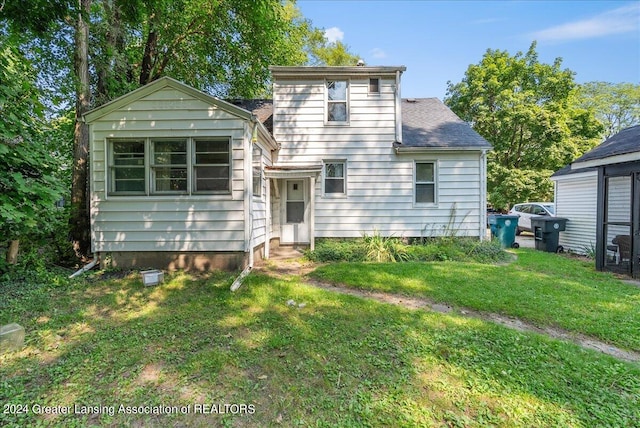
<point x="483" y="195"/>
<point x="398" y="105"/>
<point x="248" y="188"/>
<point x="87" y="267"/>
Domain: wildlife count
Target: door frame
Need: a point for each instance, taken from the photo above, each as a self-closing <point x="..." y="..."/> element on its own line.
<point x="305" y="224"/>
<point x="631" y="170"/>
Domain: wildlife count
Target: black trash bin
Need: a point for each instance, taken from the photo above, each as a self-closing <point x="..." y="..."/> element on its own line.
<point x="546" y="232"/>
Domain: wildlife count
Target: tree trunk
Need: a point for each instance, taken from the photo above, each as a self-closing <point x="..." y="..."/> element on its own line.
<point x="12" y="252"/>
<point x="79" y="220"/>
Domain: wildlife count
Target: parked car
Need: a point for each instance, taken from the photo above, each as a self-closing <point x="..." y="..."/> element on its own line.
<point x="531" y="209"/>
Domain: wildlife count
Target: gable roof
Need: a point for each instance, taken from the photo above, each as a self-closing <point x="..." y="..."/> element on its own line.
<point x="158" y="85"/>
<point x="621" y="147"/>
<point x="329" y="70"/>
<point x="428" y="123"/>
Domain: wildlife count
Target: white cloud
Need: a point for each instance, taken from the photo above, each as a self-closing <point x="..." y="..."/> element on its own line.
<point x="333" y="34"/>
<point x="617" y="21"/>
<point x="378" y="53"/>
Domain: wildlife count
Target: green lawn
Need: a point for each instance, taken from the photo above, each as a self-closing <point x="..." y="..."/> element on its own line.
<point x="543" y="288"/>
<point x="338" y="361"/>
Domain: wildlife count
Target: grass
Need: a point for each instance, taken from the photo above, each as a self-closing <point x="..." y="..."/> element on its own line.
<point x="336" y="361"/>
<point x="543" y="288"/>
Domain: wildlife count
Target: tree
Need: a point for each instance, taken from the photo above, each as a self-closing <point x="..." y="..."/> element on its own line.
<point x="617" y="106"/>
<point x="223" y="47"/>
<point x="323" y="52"/>
<point x="29" y="187"/>
<point x="528" y="111"/>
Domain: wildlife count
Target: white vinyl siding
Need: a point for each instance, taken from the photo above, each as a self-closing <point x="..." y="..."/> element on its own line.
<point x="576" y="199"/>
<point x="380" y="183"/>
<point x="172" y="222"/>
<point x="260" y="217"/>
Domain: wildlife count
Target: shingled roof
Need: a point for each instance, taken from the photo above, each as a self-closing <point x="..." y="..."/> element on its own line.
<point x="262" y="109"/>
<point x="427" y="122"/>
<point x="624" y="142"/>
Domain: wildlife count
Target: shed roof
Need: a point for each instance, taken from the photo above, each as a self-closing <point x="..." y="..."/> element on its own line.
<point x="624" y="142"/>
<point x="428" y="123"/>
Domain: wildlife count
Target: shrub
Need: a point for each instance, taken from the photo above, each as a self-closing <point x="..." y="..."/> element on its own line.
<point x="376" y="248"/>
<point x="383" y="249"/>
<point x="337" y="250"/>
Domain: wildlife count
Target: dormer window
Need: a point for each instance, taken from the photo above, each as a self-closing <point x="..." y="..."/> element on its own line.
<point x="337" y="101"/>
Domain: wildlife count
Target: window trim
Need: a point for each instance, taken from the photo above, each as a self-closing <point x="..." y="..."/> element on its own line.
<point x="260" y="193"/>
<point x="229" y="164"/>
<point x="111" y="167"/>
<point x="434" y="182"/>
<point x="376" y="93"/>
<point x="152" y="184"/>
<point x="149" y="175"/>
<point x="327" y="101"/>
<point x="342" y="194"/>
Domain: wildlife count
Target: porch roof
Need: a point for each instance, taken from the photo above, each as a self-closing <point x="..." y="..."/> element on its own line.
<point x="293" y="171"/>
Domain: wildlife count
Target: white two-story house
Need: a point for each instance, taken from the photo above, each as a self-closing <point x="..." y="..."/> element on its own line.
<point x="181" y="179"/>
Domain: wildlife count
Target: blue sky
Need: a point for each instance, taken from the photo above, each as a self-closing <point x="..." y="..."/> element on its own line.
<point x="438" y="40"/>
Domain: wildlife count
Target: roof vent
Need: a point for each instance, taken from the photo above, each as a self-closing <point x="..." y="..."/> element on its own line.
<point x="360" y="63"/>
<point x="412" y="100"/>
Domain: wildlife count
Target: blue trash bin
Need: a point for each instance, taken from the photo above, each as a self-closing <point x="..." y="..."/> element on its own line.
<point x="504" y="227"/>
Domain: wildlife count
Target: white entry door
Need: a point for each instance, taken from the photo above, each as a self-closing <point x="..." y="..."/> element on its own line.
<point x="295" y="227"/>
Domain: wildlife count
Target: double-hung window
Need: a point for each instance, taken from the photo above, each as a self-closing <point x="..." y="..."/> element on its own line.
<point x="257" y="171"/>
<point x="335" y="175"/>
<point x="337" y="101"/>
<point x="212" y="166"/>
<point x="169" y="166"/>
<point x="127" y="167"/>
<point x="425" y="183"/>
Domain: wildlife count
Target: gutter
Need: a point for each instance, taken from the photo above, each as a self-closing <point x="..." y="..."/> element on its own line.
<point x="413" y="149"/>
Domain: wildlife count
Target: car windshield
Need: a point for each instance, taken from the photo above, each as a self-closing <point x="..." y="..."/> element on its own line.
<point x="550" y="208"/>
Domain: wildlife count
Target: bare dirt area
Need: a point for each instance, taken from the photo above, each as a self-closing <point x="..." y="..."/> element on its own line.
<point x="287" y="261"/>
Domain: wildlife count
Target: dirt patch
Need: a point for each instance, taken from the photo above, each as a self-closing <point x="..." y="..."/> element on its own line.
<point x="285" y="267"/>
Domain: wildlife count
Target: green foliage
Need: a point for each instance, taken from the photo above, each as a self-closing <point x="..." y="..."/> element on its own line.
<point x="334" y="250"/>
<point x="375" y="248"/>
<point x="383" y="249"/>
<point x="29" y="186"/>
<point x="617" y="105"/>
<point x="513" y="185"/>
<point x="528" y="111"/>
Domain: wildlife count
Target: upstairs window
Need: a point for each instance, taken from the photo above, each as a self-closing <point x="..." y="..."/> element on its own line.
<point x="425" y="183"/>
<point x="374" y="86"/>
<point x="337" y="101"/>
<point x="334" y="178"/>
